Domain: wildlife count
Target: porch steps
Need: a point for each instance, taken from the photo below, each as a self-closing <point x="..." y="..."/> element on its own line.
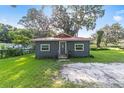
<point x="63" y="58"/>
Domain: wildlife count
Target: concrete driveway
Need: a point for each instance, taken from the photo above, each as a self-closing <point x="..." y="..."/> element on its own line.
<point x="95" y="74"/>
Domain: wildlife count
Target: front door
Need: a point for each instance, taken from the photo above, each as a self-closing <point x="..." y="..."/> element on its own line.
<point x="62" y="47"/>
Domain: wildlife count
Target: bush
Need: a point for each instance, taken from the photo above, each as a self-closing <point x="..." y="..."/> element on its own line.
<point x="14" y="52"/>
<point x="2" y="47"/>
<point x="11" y="52"/>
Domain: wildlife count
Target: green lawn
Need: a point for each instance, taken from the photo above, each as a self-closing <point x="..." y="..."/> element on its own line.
<point x="26" y="71"/>
<point x="103" y="56"/>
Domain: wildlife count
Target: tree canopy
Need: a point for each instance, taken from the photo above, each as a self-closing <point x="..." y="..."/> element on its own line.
<point x="21" y="36"/>
<point x="73" y="18"/>
<point x="111" y="34"/>
<point x="69" y="19"/>
<point x="36" y="21"/>
<point x="10" y="34"/>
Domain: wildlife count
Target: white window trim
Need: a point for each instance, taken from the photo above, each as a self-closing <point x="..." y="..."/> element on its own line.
<point x="78" y="49"/>
<point x="44" y="44"/>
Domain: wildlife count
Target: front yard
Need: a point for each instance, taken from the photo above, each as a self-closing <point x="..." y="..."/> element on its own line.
<point x="26" y="71"/>
<point x="104" y="56"/>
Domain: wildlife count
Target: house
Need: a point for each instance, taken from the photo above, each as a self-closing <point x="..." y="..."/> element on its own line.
<point x="62" y="46"/>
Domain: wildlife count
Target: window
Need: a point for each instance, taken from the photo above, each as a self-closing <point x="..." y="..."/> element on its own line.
<point x="79" y="47"/>
<point x="45" y="47"/>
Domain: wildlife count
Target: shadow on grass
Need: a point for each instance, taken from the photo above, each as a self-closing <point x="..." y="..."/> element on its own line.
<point x="26" y="71"/>
<point x="97" y="49"/>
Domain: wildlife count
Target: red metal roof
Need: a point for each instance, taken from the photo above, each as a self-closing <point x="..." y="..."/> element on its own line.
<point x="62" y="37"/>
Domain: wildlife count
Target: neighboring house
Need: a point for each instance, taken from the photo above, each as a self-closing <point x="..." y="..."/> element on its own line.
<point x="62" y="46"/>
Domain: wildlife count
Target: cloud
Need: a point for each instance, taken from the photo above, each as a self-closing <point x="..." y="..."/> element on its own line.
<point x="120" y="12"/>
<point x="3" y="20"/>
<point x="117" y="18"/>
<point x="18" y="26"/>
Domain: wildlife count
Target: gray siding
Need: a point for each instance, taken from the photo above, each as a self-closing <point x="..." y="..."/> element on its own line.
<point x="54" y="48"/>
<point x="73" y="53"/>
<point x="53" y="53"/>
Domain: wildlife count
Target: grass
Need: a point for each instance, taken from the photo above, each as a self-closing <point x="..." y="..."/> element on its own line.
<point x="104" y="56"/>
<point x="26" y="71"/>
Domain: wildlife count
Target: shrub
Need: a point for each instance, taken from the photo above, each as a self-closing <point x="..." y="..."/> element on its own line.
<point x="2" y="47"/>
<point x="14" y="52"/>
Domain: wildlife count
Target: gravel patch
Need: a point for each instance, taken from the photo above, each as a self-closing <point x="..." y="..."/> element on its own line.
<point x="109" y="75"/>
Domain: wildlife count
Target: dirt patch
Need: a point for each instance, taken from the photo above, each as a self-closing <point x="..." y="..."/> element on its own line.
<point x="97" y="74"/>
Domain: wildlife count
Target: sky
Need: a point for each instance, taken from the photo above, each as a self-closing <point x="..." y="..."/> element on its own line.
<point x="11" y="16"/>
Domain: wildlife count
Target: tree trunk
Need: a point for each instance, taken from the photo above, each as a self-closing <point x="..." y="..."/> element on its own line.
<point x="98" y="45"/>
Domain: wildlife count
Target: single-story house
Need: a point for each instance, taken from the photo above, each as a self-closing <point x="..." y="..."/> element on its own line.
<point x="61" y="46"/>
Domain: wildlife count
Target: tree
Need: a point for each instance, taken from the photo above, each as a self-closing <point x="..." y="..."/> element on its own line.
<point x="116" y="32"/>
<point x="4" y="29"/>
<point x="71" y="19"/>
<point x="99" y="37"/>
<point x="110" y="34"/>
<point x="21" y="36"/>
<point x="36" y="21"/>
<point x="61" y="20"/>
<point x="10" y="34"/>
<point x="107" y="34"/>
<point x="122" y="34"/>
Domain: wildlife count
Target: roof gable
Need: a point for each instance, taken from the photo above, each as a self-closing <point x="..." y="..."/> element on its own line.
<point x="62" y="35"/>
